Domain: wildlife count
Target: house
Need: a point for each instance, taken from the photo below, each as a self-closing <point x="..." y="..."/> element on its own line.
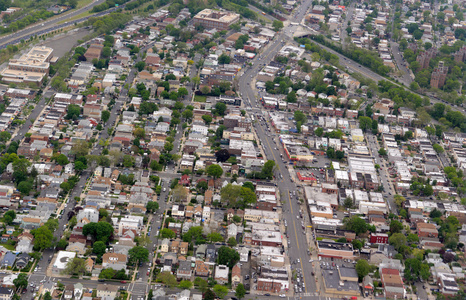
<point x="107" y="290"/>
<point x="202" y="269"/>
<point x="184" y="270"/>
<point x="115" y="261"/>
<point x="221" y="274"/>
<point x="392" y="283"/>
<point x="22" y="260"/>
<point x="31" y="223"/>
<point x="89" y="265"/>
<point x="6" y="293"/>
<point x="236" y="275"/>
<point x="184" y="248"/>
<point x="9" y="260"/>
<point x="68" y="293"/>
<point x="165" y="246"/>
<point x="78" y="247"/>
<point x="24" y="246"/>
<point x="78" y="290"/>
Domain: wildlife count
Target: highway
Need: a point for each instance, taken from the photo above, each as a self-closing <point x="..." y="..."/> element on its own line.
<point x="53" y="24"/>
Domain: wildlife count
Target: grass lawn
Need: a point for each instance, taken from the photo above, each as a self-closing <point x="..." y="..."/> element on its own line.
<point x="81" y="15"/>
<point x="82" y="3"/>
<point x="8" y="246"/>
<point x="198" y="98"/>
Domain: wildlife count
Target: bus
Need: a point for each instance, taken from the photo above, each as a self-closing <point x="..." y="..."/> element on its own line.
<point x="263" y="13"/>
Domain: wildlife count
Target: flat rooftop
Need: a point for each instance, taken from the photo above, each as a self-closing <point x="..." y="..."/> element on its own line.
<point x="216" y="15"/>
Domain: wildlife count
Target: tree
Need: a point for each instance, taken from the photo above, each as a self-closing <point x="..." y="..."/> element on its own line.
<point x="267" y="169"/>
<point x="413" y="238"/>
<point x="395" y="226"/>
<point x="62" y="243"/>
<point x="101" y="231"/>
<point x="167" y="233"/>
<point x="220" y="108"/>
<point x="9" y="216"/>
<point x="75" y="266"/>
<point x="42" y="237"/>
<point x="220" y="290"/>
<point x="152" y="206"/>
<point x="62" y="160"/>
<point x="227" y="256"/>
<point x="428" y="190"/>
<point x="348" y="202"/>
<point x="214" y="171"/>
<point x="232" y="242"/>
<point x="365" y="123"/>
<point x="185" y="285"/>
<point x="179" y="193"/>
<point x="207" y="119"/>
<point x="21" y="281"/>
<point x="5" y="136"/>
<point x="106" y="52"/>
<point x="397" y="240"/>
<point x="240" y="291"/>
<point x="107" y="273"/>
<point x="52" y="224"/>
<point x="362" y="268"/>
<point x="277" y="25"/>
<point x="194" y="233"/>
<point x="182" y="92"/>
<point x="139" y="133"/>
<point x="140" y="65"/>
<point x="99" y="248"/>
<point x="73" y="112"/>
<point x="224" y="59"/>
<point x="105" y="115"/>
<point x="47" y="296"/>
<point x="222" y="155"/>
<point x="209" y="295"/>
<point x="319" y="131"/>
<point x="167" y="278"/>
<point x="215" y="237"/>
<point x="438" y="148"/>
<point x="356" y="224"/>
<point x="138" y="254"/>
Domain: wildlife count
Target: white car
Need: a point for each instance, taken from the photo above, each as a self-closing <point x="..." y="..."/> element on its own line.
<point x="282" y="296"/>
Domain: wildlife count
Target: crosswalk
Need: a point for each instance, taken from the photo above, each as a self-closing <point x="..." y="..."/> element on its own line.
<point x="139" y="290"/>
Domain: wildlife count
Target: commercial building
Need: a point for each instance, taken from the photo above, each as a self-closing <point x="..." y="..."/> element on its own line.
<point x="32" y="67"/>
<point x="220" y="20"/>
<point x="62" y="260"/>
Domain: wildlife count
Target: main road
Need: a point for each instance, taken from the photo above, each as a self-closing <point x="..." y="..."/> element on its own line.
<point x="298" y="242"/>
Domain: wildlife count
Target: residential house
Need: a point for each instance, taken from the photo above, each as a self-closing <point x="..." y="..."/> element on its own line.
<point x="115" y="261"/>
<point x="165" y="246"/>
<point x="202" y="269"/>
<point x="22" y="260"/>
<point x="221" y="274"/>
<point x="6" y="293"/>
<point x="9" y="260"/>
<point x="184" y="271"/>
<point x="236" y="275"/>
<point x="107" y="290"/>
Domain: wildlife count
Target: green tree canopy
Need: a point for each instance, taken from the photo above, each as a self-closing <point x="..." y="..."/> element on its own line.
<point x="214" y="170"/>
<point x="138" y="254"/>
<point x="362" y="268"/>
<point x="99" y="248"/>
<point x="227" y="256"/>
<point x="101" y="231"/>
